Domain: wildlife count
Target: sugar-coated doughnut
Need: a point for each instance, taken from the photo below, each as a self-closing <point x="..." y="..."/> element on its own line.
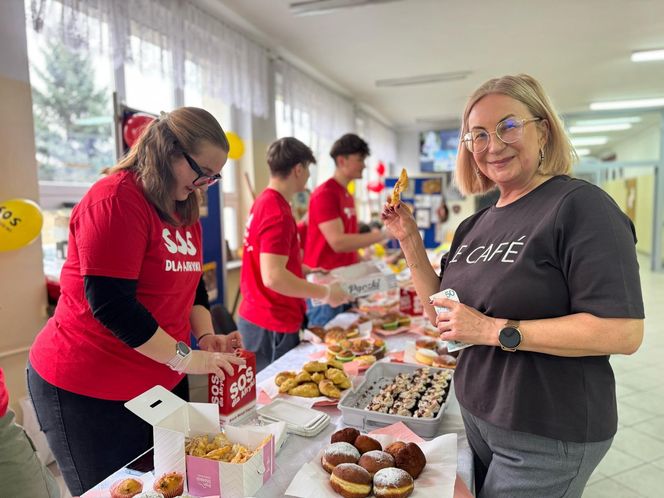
<point x="393" y="483"/>
<point x="351" y="481"/>
<point x="338" y="453"/>
<point x="375" y="460"/>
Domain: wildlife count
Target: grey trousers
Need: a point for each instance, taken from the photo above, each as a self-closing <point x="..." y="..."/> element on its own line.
<point x="21" y="472"/>
<point x="517" y="464"/>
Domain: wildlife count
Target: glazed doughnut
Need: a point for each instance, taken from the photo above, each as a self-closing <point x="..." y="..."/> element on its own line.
<point x="393" y="483"/>
<point x="365" y="443"/>
<point x="426" y="343"/>
<point x="338" y="453"/>
<point x="411" y="459"/>
<point x="347" y="435"/>
<point x="351" y="481"/>
<point x="375" y="460"/>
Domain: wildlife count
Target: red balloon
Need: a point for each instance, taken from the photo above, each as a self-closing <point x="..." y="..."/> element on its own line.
<point x="375" y="186"/>
<point x="134" y="126"/>
<point x="380" y="169"/>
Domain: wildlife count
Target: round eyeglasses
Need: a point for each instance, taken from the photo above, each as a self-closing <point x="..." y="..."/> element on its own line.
<point x="202" y="180"/>
<point x="509" y="130"/>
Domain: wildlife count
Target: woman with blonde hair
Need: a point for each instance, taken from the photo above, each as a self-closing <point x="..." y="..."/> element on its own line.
<point x="132" y="295"/>
<point x="548" y="284"/>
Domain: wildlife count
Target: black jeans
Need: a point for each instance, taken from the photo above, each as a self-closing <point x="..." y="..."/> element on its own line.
<point x="90" y="438"/>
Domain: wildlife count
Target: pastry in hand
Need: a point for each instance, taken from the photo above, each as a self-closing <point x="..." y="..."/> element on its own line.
<point x="306" y="390"/>
<point x="283" y="376"/>
<point x="400" y="186"/>
<point x="328" y="388"/>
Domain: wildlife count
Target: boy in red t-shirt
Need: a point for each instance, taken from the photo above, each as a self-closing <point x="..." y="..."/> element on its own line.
<point x="272" y="281"/>
<point x="332" y="235"/>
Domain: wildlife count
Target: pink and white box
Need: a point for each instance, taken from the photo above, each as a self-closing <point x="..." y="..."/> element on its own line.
<point x="173" y="420"/>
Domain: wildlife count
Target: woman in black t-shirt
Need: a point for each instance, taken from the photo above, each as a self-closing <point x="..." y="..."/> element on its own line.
<point x="548" y="285"/>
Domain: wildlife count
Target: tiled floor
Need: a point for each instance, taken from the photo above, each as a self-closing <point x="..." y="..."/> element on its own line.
<point x="634" y="466"/>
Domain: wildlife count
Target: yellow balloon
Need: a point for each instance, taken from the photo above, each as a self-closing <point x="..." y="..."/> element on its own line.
<point x="20" y="223"/>
<point x="236" y="145"/>
<point x="351" y="187"/>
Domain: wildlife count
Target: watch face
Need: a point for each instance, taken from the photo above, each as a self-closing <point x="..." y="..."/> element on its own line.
<point x="510" y="337"/>
<point x="182" y="348"/>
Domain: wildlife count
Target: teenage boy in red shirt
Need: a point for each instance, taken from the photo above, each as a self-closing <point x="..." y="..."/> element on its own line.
<point x="332" y="236"/>
<point x="272" y="281"/>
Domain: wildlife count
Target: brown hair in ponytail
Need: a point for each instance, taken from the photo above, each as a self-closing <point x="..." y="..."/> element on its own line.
<point x="163" y="141"/>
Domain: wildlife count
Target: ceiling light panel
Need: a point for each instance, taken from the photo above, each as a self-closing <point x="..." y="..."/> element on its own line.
<point x="626" y="104"/>
<point x="600" y="128"/>
<point x="589" y="141"/>
<point x="608" y="121"/>
<point x="648" y="55"/>
<point x="424" y="79"/>
<point x="315" y="7"/>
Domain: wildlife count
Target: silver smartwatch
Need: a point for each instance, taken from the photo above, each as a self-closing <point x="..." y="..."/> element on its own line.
<point x="182" y="352"/>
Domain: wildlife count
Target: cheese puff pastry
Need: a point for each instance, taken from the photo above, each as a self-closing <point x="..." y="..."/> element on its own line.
<point x="303" y="376"/>
<point x="287" y="385"/>
<point x="314" y="366"/>
<point x="400" y="186"/>
<point x="283" y="376"/>
<point x="328" y="388"/>
<point x="306" y="390"/>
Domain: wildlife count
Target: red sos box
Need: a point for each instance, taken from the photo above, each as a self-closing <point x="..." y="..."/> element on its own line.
<point x="236" y="394"/>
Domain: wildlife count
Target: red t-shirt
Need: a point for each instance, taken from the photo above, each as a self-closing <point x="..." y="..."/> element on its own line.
<point x="4" y="395"/>
<point x="116" y="232"/>
<point x="329" y="201"/>
<point x="270" y="229"/>
<point x="302" y="228"/>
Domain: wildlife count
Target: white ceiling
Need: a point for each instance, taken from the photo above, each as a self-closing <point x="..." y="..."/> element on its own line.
<point x="579" y="49"/>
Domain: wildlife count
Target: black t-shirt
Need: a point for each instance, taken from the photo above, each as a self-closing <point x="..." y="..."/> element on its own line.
<point x="564" y="248"/>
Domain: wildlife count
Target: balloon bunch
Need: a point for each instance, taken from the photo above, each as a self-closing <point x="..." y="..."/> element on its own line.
<point x="20" y="223"/>
<point x="378" y="185"/>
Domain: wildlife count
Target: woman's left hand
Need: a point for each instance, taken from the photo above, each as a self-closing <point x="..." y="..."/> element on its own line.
<point x="465" y="324"/>
<point x="221" y="343"/>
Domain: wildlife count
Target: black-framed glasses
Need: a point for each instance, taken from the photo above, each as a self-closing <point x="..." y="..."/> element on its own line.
<point x="509" y="130"/>
<point x="202" y="179"/>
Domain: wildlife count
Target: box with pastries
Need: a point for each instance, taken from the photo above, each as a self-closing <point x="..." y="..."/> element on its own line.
<point x="175" y="422"/>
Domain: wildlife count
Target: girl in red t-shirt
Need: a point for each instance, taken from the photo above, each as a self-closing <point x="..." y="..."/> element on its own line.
<point x="132" y="295"/>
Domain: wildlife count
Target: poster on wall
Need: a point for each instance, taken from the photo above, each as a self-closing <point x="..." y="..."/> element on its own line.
<point x="438" y="150"/>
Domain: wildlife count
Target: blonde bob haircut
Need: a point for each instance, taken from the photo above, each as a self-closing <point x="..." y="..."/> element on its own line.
<point x="559" y="154"/>
<point x="164" y="140"/>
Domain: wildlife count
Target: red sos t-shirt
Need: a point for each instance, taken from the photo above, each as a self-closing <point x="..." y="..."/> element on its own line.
<point x="116" y="232"/>
<point x="329" y="201"/>
<point x="270" y="229"/>
<point x="4" y="395"/>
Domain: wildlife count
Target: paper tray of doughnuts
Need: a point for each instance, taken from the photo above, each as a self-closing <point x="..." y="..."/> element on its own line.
<point x="378" y="377"/>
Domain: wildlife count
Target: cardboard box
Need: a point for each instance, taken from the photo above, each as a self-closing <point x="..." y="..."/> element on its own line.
<point x="236" y="394"/>
<point x="359" y="280"/>
<point x="173" y="420"/>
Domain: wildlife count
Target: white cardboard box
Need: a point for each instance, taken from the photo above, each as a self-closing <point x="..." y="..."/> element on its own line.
<point x="173" y="420"/>
<point x="360" y="279"/>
